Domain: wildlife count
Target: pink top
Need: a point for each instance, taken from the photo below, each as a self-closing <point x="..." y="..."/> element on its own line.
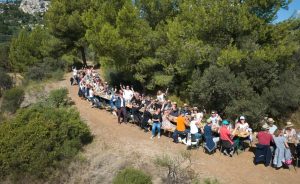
<point x="225" y="134"/>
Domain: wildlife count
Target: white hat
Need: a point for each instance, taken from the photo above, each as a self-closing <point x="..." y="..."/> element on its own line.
<point x="289" y="124"/>
<point x="242" y="117"/>
<point x="271" y="120"/>
<point x="265" y="127"/>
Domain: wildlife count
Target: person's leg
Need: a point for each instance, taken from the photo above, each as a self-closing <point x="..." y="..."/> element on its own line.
<point x="153" y="129"/>
<point x="119" y="111"/>
<point x="175" y="136"/>
<point x="197" y="136"/>
<point x="124" y="114"/>
<point x="158" y="129"/>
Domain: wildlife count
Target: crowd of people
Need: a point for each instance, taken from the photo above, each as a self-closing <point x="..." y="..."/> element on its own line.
<point x="188" y="124"/>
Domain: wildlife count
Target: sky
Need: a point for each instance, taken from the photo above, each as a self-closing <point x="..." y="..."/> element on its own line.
<point x="285" y="14"/>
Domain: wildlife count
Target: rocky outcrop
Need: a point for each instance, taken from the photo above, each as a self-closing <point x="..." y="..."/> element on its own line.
<point x="34" y="6"/>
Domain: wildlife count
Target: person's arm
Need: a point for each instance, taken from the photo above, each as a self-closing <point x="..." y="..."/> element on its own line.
<point x="286" y="144"/>
<point x="167" y="90"/>
<point x="121" y="87"/>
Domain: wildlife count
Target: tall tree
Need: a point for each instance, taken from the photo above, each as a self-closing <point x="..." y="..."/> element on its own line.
<point x="64" y="22"/>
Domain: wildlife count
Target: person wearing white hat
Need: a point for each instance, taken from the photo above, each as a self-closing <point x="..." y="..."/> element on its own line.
<point x="263" y="151"/>
<point x="264" y="137"/>
<point x="289" y="132"/>
<point x="242" y="125"/>
<point x="272" y="127"/>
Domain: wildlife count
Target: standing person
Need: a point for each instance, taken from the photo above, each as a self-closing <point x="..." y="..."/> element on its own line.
<point x="282" y="152"/>
<point x="161" y="96"/>
<point x="289" y="132"/>
<point x="264" y="137"/>
<point x="121" y="108"/>
<point x="157" y="119"/>
<point x="263" y="152"/>
<point x="127" y="93"/>
<point x="272" y="127"/>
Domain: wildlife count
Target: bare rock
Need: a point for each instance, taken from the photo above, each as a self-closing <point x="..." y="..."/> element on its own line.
<point x="34" y="6"/>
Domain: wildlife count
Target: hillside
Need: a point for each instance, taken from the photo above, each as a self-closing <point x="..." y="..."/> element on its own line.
<point x="117" y="146"/>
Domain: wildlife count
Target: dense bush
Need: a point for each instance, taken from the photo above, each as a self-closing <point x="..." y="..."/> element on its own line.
<point x="12" y="100"/>
<point x="132" y="176"/>
<point x="58" y="98"/>
<point x="39" y="138"/>
<point x="5" y="82"/>
<point x="49" y="68"/>
<point x="35" y="73"/>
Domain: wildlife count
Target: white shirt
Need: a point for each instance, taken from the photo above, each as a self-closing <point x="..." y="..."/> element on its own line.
<point x="91" y="93"/>
<point x="272" y="129"/>
<point x="199" y="116"/>
<point x="128" y="94"/>
<point x="161" y="98"/>
<point x="243" y="127"/>
<point x="122" y="103"/>
<point x="74" y="72"/>
<point x="193" y="127"/>
<point x="215" y="120"/>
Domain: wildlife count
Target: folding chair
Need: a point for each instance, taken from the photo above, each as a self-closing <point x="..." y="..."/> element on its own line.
<point x="192" y="142"/>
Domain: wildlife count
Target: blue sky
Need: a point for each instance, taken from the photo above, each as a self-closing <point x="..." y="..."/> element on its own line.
<point x="285" y="14"/>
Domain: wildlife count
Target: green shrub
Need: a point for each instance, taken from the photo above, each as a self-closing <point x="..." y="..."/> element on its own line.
<point x="39" y="139"/>
<point x="57" y="75"/>
<point x="211" y="181"/>
<point x="36" y="73"/>
<point x="12" y="100"/>
<point x="5" y="81"/>
<point x="132" y="176"/>
<point x="58" y="98"/>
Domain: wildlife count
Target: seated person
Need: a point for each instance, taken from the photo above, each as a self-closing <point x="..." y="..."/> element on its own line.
<point x="136" y="106"/>
<point x="282" y="152"/>
<point x="226" y="138"/>
<point x="180" y="128"/>
<point x="186" y="110"/>
<point x="194" y="129"/>
<point x="147" y="116"/>
<point x="197" y="115"/>
<point x="167" y="105"/>
<point x="242" y="125"/>
<point x="166" y="123"/>
<point x="215" y="119"/>
<point x="243" y="128"/>
<point x="174" y="110"/>
<point x="210" y="143"/>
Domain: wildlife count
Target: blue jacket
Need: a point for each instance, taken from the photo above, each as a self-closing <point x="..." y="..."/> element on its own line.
<point x="118" y="102"/>
<point x="263" y="154"/>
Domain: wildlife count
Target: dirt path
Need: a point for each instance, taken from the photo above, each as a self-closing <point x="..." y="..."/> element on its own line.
<point x="117" y="146"/>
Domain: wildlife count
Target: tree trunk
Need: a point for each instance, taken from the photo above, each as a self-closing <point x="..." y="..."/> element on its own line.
<point x="83" y="57"/>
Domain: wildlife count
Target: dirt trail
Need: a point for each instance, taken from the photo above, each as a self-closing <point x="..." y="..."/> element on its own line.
<point x="116" y="146"/>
